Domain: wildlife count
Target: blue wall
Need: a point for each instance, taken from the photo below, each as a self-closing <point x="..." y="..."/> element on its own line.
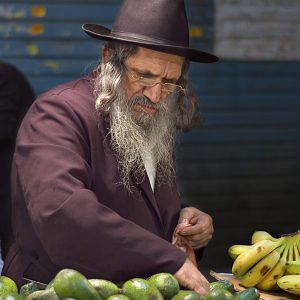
<point x="242" y="166"/>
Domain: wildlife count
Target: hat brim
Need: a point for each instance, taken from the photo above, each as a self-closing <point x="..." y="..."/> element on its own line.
<point x="100" y="32"/>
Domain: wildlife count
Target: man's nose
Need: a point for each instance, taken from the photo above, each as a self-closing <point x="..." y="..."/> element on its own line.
<point x="154" y="93"/>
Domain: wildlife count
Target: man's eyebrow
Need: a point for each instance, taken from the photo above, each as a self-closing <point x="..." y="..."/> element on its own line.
<point x="150" y="74"/>
<point x="144" y="72"/>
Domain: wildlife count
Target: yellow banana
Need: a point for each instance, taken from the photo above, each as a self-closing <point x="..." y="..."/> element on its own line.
<point x="235" y="250"/>
<point x="286" y="250"/>
<point x="260" y="235"/>
<point x="291" y="249"/>
<point x="293" y="267"/>
<point x="293" y="244"/>
<point x="296" y="252"/>
<point x="254" y="254"/>
<point x="269" y="282"/>
<point x="290" y="283"/>
<point x="260" y="270"/>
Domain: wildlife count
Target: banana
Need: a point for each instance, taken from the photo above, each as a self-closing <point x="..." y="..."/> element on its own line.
<point x="290" y="283"/>
<point x="293" y="267"/>
<point x="235" y="250"/>
<point x="286" y="249"/>
<point x="260" y="235"/>
<point x="296" y="252"/>
<point x="291" y="249"/>
<point x="254" y="254"/>
<point x="260" y="270"/>
<point x="293" y="244"/>
<point x="269" y="282"/>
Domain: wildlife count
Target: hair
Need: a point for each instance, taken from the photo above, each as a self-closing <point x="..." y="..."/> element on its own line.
<point x="188" y="115"/>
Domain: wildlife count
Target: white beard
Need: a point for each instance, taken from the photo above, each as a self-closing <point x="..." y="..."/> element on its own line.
<point x="132" y="135"/>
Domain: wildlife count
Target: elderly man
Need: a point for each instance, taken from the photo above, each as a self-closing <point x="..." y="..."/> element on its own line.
<point x="94" y="185"/>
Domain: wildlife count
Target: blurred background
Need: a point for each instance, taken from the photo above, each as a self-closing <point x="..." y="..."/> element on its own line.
<point x="243" y="165"/>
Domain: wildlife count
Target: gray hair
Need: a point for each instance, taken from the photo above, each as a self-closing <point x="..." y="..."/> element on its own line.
<point x="106" y="89"/>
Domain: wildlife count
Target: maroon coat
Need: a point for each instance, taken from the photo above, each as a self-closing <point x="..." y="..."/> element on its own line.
<point x="68" y="210"/>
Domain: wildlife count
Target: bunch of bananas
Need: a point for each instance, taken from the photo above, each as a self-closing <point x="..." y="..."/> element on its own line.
<point x="268" y="263"/>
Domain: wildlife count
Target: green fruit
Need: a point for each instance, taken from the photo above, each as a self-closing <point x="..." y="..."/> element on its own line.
<point x="166" y="283"/>
<point x="105" y="288"/>
<point x="12" y="296"/>
<point x="34" y="295"/>
<point x="50" y="284"/>
<point x="141" y="289"/>
<point x="187" y="295"/>
<point x="28" y="289"/>
<point x="43" y="295"/>
<point x="248" y="294"/>
<point x="7" y="286"/>
<point x="222" y="284"/>
<point x="70" y="283"/>
<point x="118" y="297"/>
<point x="219" y="294"/>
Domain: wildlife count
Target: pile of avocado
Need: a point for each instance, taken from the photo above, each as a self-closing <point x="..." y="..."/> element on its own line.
<point x="70" y="284"/>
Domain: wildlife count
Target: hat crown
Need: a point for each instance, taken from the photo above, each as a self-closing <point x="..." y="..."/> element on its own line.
<point x="160" y="20"/>
<point x="159" y="25"/>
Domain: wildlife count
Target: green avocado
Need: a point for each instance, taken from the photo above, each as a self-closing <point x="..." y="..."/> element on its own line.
<point x="28" y="289"/>
<point x="50" y="284"/>
<point x="11" y="296"/>
<point x="118" y="297"/>
<point x="105" y="288"/>
<point x="43" y="295"/>
<point x="248" y="294"/>
<point x="187" y="295"/>
<point x="166" y="283"/>
<point x="7" y="286"/>
<point x="69" y="283"/>
<point x="219" y="294"/>
<point x="141" y="289"/>
<point x="225" y="284"/>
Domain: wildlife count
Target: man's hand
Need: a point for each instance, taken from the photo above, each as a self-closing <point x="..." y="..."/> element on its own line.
<point x="191" y="278"/>
<point x="200" y="233"/>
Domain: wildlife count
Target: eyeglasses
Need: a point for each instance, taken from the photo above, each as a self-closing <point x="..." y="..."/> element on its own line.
<point x="166" y="87"/>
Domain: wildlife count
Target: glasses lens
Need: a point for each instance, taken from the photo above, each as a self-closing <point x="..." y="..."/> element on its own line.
<point x="165" y="87"/>
<point x="171" y="88"/>
<point x="147" y="81"/>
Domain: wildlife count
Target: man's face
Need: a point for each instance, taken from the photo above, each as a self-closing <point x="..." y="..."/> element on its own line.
<point x="158" y="66"/>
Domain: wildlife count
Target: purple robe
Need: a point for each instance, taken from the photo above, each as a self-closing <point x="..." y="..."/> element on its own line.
<point x="69" y="211"/>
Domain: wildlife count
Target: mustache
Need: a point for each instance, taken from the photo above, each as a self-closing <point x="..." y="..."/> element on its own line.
<point x="145" y="101"/>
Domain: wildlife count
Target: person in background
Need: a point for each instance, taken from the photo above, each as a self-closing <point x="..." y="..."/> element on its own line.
<point x="16" y="95"/>
<point x="93" y="177"/>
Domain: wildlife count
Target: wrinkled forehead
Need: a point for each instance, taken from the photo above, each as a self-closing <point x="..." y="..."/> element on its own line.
<point x="160" y="63"/>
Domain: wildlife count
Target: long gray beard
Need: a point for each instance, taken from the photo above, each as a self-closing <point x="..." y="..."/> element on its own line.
<point x="132" y="135"/>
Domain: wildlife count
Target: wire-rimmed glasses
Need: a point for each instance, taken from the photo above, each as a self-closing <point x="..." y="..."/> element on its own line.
<point x="166" y="87"/>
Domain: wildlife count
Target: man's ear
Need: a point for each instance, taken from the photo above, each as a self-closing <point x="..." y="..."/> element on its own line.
<point x="106" y="54"/>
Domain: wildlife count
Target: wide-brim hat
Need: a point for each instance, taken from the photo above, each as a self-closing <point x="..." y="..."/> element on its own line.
<point x="156" y="24"/>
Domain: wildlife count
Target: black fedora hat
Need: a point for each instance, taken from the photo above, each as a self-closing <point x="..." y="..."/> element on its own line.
<point x="156" y="24"/>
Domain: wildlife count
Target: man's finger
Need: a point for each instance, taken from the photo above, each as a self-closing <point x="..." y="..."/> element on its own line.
<point x="191" y="230"/>
<point x="183" y="220"/>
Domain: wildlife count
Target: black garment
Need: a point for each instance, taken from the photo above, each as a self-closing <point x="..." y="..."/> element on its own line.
<point x="16" y="95"/>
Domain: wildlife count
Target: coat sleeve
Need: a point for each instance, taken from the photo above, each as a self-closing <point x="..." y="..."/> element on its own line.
<point x="74" y="227"/>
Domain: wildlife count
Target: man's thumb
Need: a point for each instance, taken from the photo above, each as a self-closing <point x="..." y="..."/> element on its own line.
<point x="183" y="220"/>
